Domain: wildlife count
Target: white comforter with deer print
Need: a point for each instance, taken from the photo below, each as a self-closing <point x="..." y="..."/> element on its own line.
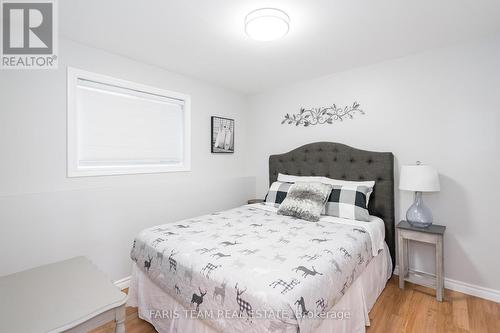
<point x="249" y="269"/>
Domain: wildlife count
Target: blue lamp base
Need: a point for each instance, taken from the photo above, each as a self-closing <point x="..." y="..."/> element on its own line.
<point x="419" y="215"/>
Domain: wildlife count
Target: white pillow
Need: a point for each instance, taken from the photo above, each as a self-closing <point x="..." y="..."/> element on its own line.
<point x="325" y="180"/>
<point x="293" y="179"/>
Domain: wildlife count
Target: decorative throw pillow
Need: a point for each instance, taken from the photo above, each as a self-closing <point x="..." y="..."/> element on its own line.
<point x="305" y="200"/>
<point x="277" y="193"/>
<point x="325" y="180"/>
<point x="349" y="202"/>
<point x="349" y="183"/>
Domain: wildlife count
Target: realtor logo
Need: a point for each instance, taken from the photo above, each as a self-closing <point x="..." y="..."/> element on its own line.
<point x="29" y="38"/>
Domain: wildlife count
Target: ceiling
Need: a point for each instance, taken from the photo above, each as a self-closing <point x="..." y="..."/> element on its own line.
<point x="205" y="38"/>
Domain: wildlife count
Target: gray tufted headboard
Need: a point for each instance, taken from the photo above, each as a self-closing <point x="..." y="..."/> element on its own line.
<point x="338" y="161"/>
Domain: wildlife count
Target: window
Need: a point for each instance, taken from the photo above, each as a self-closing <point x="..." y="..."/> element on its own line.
<point x="120" y="127"/>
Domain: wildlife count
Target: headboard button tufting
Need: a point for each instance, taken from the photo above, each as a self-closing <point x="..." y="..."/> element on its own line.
<point x="337" y="161"/>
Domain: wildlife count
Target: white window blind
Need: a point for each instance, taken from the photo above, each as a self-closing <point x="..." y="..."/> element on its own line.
<point x="117" y="127"/>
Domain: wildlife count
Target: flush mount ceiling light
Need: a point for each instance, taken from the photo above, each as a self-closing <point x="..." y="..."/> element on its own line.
<point x="267" y="24"/>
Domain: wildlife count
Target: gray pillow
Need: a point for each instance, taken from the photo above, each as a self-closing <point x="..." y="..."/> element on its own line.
<point x="305" y="200"/>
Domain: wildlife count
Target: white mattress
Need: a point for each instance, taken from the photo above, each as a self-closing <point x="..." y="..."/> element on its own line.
<point x="269" y="271"/>
<point x="168" y="315"/>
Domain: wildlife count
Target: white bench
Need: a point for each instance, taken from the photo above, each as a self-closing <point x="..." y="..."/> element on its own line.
<point x="68" y="296"/>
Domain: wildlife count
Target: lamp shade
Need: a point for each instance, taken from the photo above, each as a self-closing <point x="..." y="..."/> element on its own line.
<point x="419" y="178"/>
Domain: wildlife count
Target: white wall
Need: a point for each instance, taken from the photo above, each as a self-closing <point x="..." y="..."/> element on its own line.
<point x="441" y="107"/>
<point x="45" y="216"/>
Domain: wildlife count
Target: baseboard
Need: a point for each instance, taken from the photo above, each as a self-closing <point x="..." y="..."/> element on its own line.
<point x="463" y="287"/>
<point x="123" y="283"/>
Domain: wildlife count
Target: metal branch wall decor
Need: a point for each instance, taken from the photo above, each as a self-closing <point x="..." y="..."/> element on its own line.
<point x="322" y="115"/>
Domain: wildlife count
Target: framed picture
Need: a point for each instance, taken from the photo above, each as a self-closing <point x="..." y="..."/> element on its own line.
<point x="222" y="135"/>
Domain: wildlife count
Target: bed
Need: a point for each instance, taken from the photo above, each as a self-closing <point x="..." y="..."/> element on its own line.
<point x="250" y="269"/>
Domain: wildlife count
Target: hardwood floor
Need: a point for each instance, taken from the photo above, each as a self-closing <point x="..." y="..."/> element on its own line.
<point x="414" y="309"/>
<point x="133" y="324"/>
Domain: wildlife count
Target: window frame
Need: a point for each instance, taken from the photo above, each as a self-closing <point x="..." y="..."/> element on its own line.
<point x="75" y="170"/>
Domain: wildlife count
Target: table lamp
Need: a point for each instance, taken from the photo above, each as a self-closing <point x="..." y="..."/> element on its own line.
<point x="419" y="178"/>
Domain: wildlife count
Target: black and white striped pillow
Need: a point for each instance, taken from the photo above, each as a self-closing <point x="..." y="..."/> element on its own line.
<point x="277" y="193"/>
<point x="349" y="202"/>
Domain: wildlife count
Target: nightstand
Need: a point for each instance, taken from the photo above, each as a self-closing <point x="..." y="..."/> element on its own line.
<point x="434" y="235"/>
<point x="254" y="201"/>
